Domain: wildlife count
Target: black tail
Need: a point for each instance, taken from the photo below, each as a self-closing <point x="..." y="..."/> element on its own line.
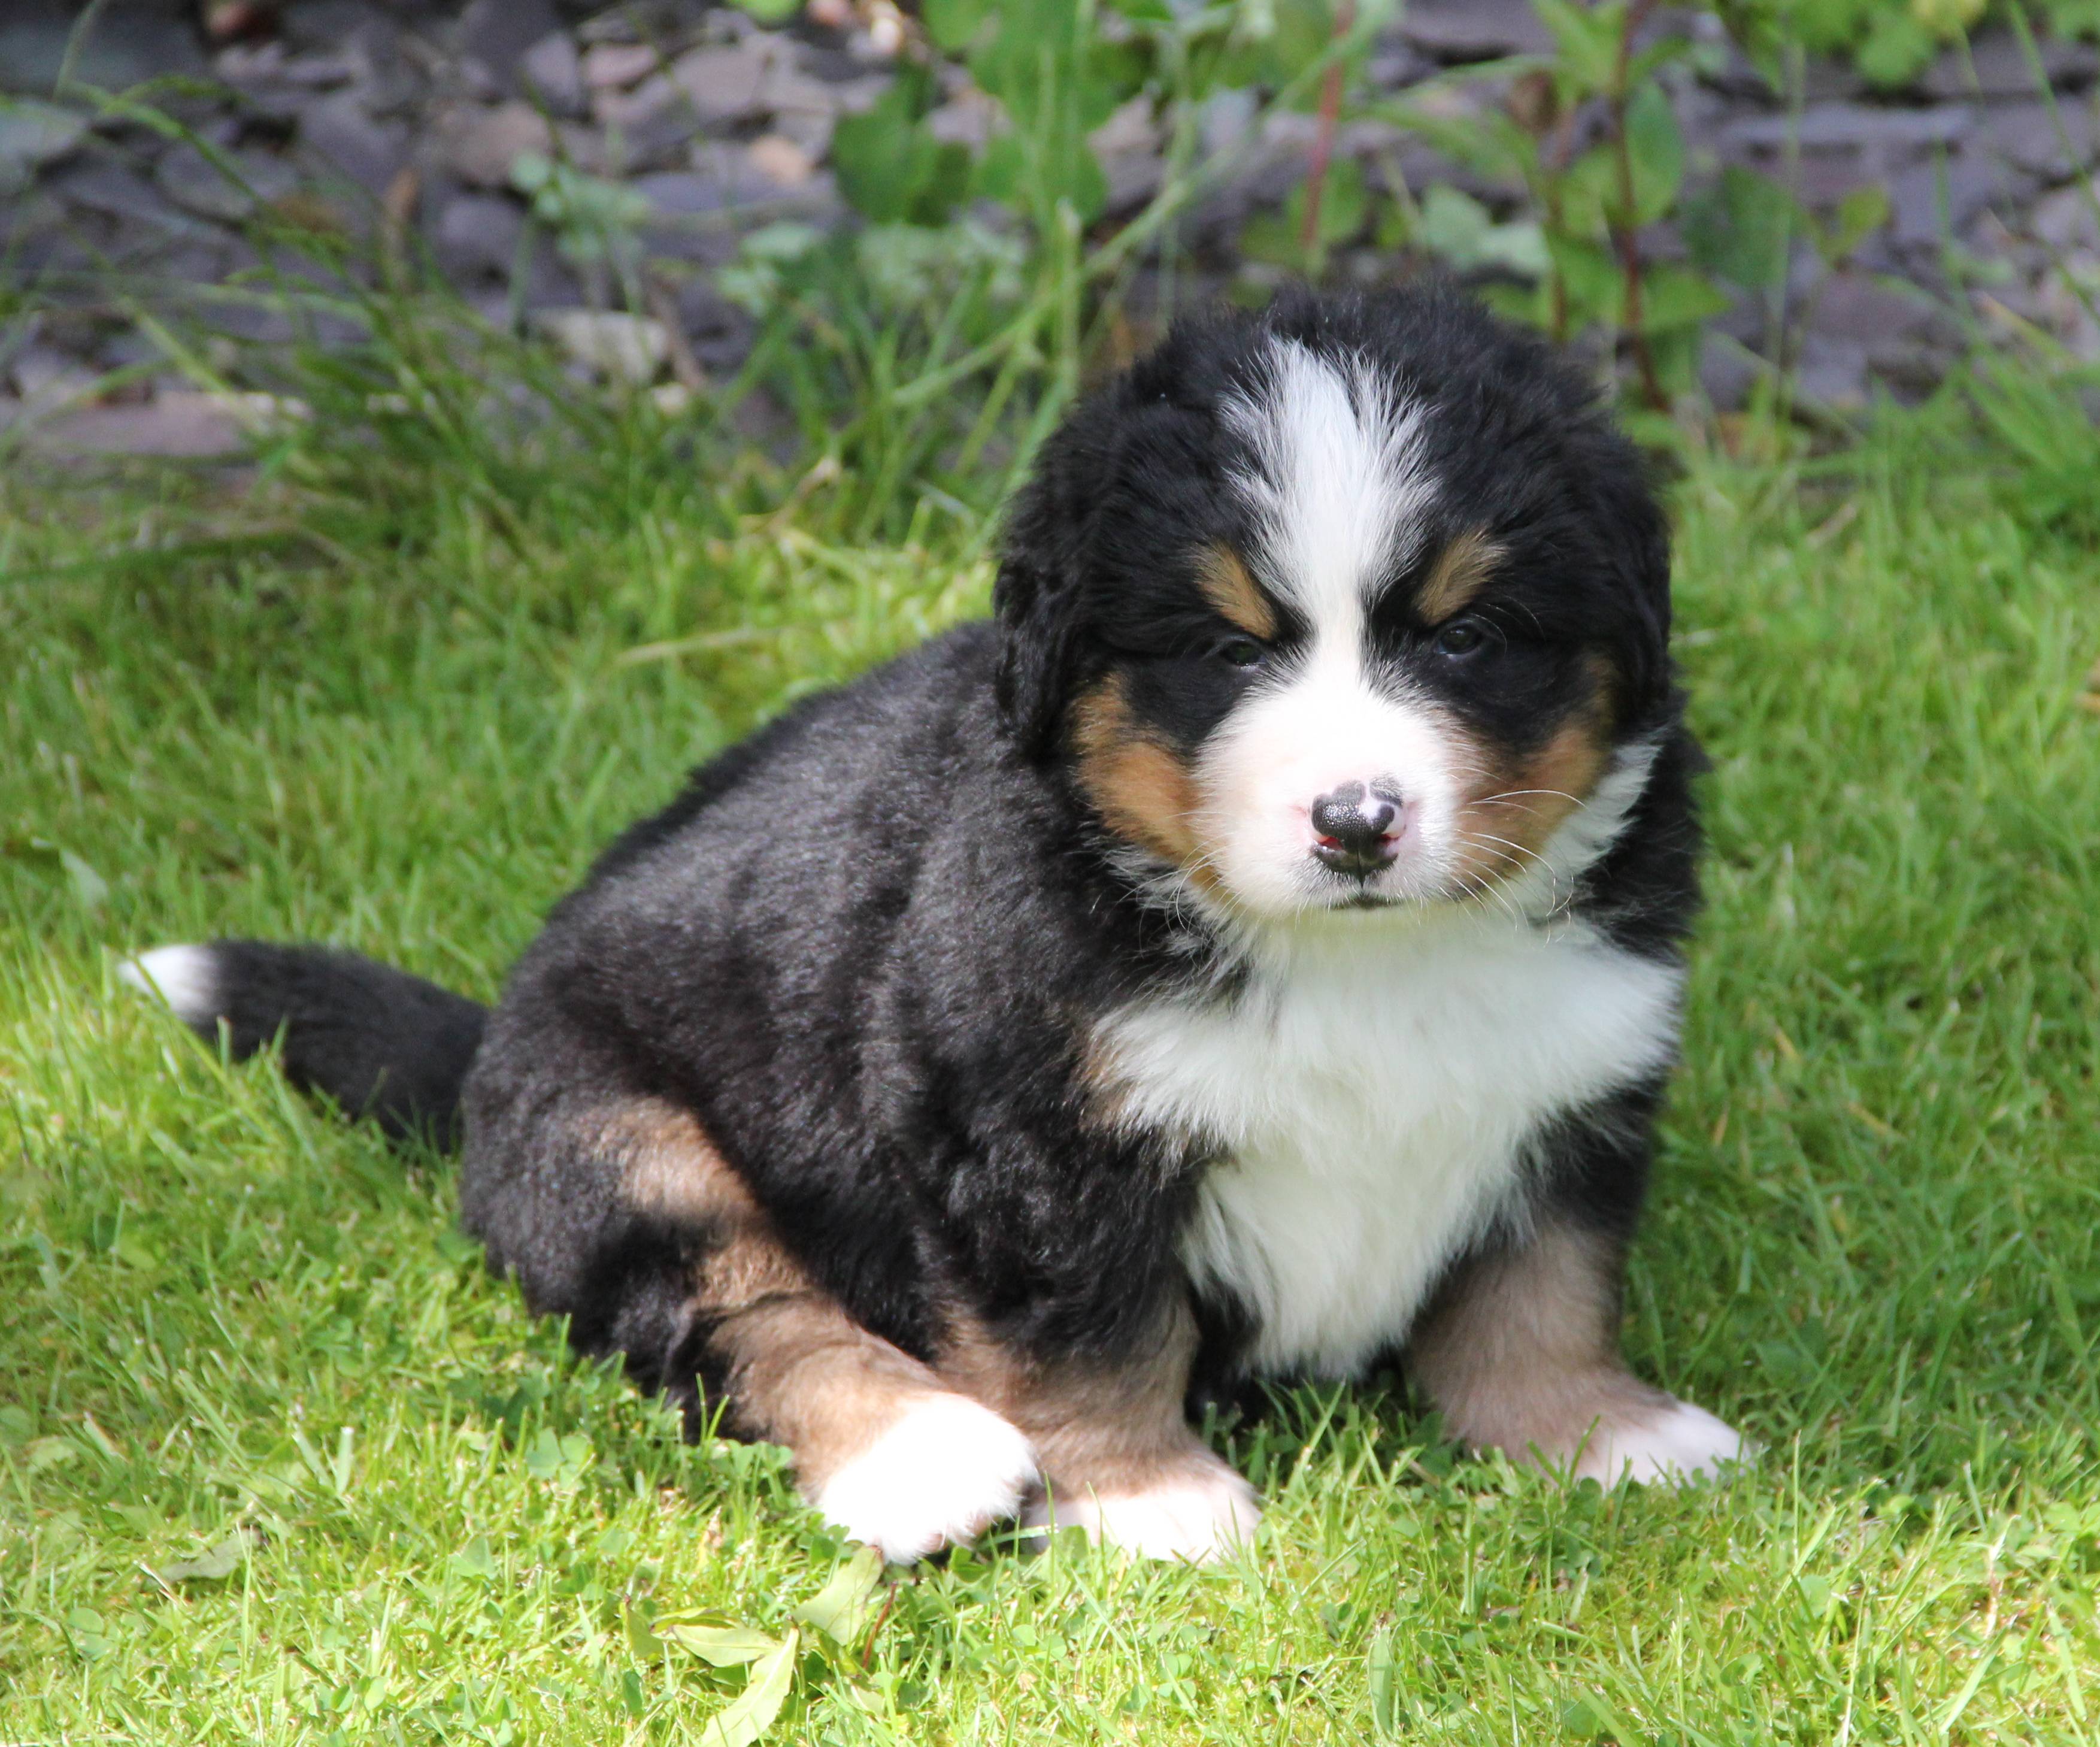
<point x="380" y="1043"/>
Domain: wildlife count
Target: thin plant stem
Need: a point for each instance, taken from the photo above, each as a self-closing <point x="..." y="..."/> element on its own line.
<point x="1323" y="141"/>
<point x="1625" y="227"/>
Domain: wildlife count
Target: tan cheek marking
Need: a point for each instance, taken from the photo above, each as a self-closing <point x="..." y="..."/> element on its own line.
<point x="1516" y="804"/>
<point x="1140" y="788"/>
<point x="1461" y="571"/>
<point x="1223" y="577"/>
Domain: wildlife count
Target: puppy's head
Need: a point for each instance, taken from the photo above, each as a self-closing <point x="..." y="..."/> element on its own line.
<point x="1350" y="605"/>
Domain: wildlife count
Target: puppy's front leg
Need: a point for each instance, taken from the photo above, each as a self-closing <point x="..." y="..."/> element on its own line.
<point x="1117" y="1456"/>
<point x="1520" y="1351"/>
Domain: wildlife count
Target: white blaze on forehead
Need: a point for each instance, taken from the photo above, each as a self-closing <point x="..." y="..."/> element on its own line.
<point x="1340" y="479"/>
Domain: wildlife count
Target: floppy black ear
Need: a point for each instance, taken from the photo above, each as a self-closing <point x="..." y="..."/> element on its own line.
<point x="1039" y="597"/>
<point x="1034" y="609"/>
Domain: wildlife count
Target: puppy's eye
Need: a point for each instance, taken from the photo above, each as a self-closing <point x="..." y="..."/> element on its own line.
<point x="1241" y="652"/>
<point x="1461" y="636"/>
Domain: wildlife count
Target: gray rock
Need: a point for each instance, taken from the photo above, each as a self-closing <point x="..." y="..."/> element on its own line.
<point x="34" y="215"/>
<point x="969" y="119"/>
<point x="780" y="160"/>
<point x="1393" y="65"/>
<point x="1995" y="65"/>
<point x="498" y="33"/>
<point x="1820" y="179"/>
<point x="2064" y="219"/>
<point x="806" y="109"/>
<point x="681" y="194"/>
<point x="479" y="145"/>
<point x="329" y="24"/>
<point x="1728" y="370"/>
<point x="127" y="42"/>
<point x="477" y="234"/>
<point x="253" y="322"/>
<point x="729" y="84"/>
<point x="1913" y="368"/>
<point x="645" y="128"/>
<point x="1457" y="31"/>
<point x="615" y="66"/>
<point x="45" y="376"/>
<point x="1855" y="306"/>
<point x="246" y="65"/>
<point x="195" y="183"/>
<point x="369" y="152"/>
<point x="2025" y="135"/>
<point x="1832" y="373"/>
<point x="1934" y="199"/>
<point x="1837" y="125"/>
<point x="551" y="70"/>
<point x="128" y="350"/>
<point x="106" y="188"/>
<point x="32" y="135"/>
<point x="1128" y="145"/>
<point x="1227" y="118"/>
<point x="183" y="424"/>
<point x="719" y="332"/>
<point x="393" y="82"/>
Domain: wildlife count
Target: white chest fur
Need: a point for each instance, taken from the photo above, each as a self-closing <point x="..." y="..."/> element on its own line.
<point x="1374" y="1093"/>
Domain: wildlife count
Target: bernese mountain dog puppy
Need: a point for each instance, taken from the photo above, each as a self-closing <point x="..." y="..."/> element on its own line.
<point x="1256" y="952"/>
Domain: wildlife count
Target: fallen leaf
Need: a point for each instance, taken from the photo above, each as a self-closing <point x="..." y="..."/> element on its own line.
<point x="722" y="1645"/>
<point x="839" y="1609"/>
<point x="751" y="1714"/>
<point x="221" y="1560"/>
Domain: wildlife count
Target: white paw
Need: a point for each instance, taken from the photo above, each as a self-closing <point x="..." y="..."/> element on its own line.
<point x="183" y="977"/>
<point x="1677" y="1444"/>
<point x="945" y="1472"/>
<point x="1204" y="1515"/>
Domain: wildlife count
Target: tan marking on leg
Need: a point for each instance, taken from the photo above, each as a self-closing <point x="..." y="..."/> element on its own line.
<point x="1222" y="576"/>
<point x="1141" y="789"/>
<point x="667" y="1165"/>
<point x="1521" y="1353"/>
<point x="1461" y="570"/>
<point x="1113" y="1440"/>
<point x="796" y="1369"/>
<point x="1092" y="1423"/>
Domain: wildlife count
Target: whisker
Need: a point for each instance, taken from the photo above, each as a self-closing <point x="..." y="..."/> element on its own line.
<point x="1507" y="794"/>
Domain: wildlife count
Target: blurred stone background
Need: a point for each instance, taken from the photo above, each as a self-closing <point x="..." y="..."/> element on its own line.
<point x="389" y="125"/>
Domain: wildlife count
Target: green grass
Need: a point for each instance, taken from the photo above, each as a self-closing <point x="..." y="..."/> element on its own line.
<point x="228" y="1323"/>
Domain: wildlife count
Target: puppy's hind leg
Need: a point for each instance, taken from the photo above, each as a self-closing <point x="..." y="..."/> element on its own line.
<point x="880" y="1445"/>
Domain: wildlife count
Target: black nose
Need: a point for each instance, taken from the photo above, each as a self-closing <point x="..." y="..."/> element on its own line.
<point x="1359" y="829"/>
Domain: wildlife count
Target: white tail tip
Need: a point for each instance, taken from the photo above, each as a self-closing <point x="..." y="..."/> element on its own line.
<point x="183" y="977"/>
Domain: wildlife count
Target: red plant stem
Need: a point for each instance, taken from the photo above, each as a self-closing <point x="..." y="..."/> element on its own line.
<point x="1563" y="150"/>
<point x="1323" y="141"/>
<point x="868" y="1644"/>
<point x="1623" y="231"/>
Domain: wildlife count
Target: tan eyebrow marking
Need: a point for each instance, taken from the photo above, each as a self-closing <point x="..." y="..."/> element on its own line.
<point x="1223" y="577"/>
<point x="1461" y="571"/>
